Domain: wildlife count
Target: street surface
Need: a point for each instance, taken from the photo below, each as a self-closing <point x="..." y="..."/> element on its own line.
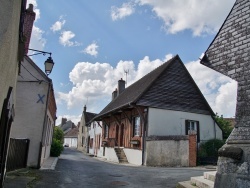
<point x="74" y="169"/>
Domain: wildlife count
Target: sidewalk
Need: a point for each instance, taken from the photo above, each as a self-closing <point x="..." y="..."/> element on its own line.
<point x="22" y="177"/>
<point x="49" y="164"/>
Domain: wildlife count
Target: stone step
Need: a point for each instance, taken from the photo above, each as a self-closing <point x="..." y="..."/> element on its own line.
<point x="185" y="184"/>
<point x="210" y="175"/>
<point x="201" y="182"/>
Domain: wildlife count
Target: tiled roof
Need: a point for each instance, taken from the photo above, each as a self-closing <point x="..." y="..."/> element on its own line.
<point x="169" y="86"/>
<point x="231" y="46"/>
<point x="72" y="133"/>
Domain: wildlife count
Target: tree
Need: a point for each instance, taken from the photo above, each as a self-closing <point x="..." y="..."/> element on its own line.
<point x="57" y="142"/>
<point x="58" y="134"/>
<point x="225" y="125"/>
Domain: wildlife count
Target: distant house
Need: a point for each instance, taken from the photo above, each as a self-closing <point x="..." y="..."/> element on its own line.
<point x="66" y="125"/>
<point x="70" y="138"/>
<point x="83" y="138"/>
<point x="150" y="121"/>
<point x="35" y="113"/>
<point x="95" y="138"/>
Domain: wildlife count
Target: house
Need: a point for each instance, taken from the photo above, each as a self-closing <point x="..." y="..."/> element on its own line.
<point x="150" y="121"/>
<point x="83" y="138"/>
<point x="35" y="113"/>
<point x="70" y="138"/>
<point x="229" y="54"/>
<point x="95" y="138"/>
<point x="12" y="47"/>
<point x="66" y="125"/>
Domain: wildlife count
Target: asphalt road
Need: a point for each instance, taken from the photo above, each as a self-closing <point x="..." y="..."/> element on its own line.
<point x="74" y="169"/>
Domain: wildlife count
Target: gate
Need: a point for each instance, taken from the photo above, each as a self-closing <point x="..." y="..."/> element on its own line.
<point x="17" y="154"/>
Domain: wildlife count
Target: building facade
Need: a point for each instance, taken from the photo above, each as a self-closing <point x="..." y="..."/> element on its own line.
<point x="151" y="119"/>
<point x="95" y="138"/>
<point x="35" y="113"/>
<point x="83" y="137"/>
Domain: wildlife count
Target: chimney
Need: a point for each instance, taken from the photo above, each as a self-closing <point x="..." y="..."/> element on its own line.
<point x="63" y="121"/>
<point x="29" y="19"/>
<point x="84" y="108"/>
<point x="114" y="94"/>
<point x="121" y="86"/>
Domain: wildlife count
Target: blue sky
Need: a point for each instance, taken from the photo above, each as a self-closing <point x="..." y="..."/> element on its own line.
<point x="93" y="42"/>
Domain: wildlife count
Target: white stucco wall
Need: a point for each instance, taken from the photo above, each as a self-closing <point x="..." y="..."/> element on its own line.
<point x="133" y="156"/>
<point x="110" y="155"/>
<point x="72" y="142"/>
<point x="30" y="113"/>
<point x="168" y="122"/>
<point x="93" y="131"/>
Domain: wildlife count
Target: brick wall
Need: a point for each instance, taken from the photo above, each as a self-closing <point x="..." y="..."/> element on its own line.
<point x="52" y="104"/>
<point x="192" y="149"/>
<point x="29" y="19"/>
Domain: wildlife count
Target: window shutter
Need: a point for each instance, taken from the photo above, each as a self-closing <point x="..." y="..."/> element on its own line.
<point x="198" y="132"/>
<point x="186" y="127"/>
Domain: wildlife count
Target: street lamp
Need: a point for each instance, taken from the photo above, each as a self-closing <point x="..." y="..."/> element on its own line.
<point x="49" y="63"/>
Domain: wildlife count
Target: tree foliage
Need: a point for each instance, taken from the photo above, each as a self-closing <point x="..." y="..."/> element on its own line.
<point x="210" y="148"/>
<point x="57" y="142"/>
<point x="56" y="148"/>
<point x="58" y="134"/>
<point x="225" y="125"/>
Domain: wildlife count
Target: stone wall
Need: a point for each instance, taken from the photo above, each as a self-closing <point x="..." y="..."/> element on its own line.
<point x="174" y="151"/>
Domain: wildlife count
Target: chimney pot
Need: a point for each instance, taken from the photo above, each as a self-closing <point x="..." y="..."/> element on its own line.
<point x="31" y="8"/>
<point x="114" y="94"/>
<point x="29" y="18"/>
<point x="121" y="86"/>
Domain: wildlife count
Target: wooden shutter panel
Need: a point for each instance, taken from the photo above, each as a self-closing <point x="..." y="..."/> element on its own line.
<point x="186" y="127"/>
<point x="198" y="132"/>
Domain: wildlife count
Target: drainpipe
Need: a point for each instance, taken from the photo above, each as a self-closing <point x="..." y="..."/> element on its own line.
<point x="214" y="130"/>
<point x="44" y="125"/>
<point x="145" y="121"/>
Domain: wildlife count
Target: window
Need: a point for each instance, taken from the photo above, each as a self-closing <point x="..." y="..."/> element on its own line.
<point x="106" y="134"/>
<point x="137" y="126"/>
<point x="193" y="126"/>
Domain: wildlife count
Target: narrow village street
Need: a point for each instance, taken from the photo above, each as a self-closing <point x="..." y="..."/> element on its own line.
<point x="74" y="169"/>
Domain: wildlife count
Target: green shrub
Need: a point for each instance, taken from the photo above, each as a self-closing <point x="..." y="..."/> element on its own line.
<point x="56" y="148"/>
<point x="210" y="148"/>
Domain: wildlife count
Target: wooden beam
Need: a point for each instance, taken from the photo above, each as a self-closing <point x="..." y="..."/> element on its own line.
<point x="130" y="119"/>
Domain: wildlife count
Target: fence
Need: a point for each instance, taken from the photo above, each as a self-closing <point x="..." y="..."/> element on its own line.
<point x="18" y="154"/>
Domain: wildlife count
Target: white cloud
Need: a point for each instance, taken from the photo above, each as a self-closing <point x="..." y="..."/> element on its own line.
<point x="119" y="13"/>
<point x="96" y="81"/>
<point x="65" y="39"/>
<point x="200" y="17"/>
<point x="57" y="26"/>
<point x="91" y="49"/>
<point x="219" y="90"/>
<point x="37" y="41"/>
